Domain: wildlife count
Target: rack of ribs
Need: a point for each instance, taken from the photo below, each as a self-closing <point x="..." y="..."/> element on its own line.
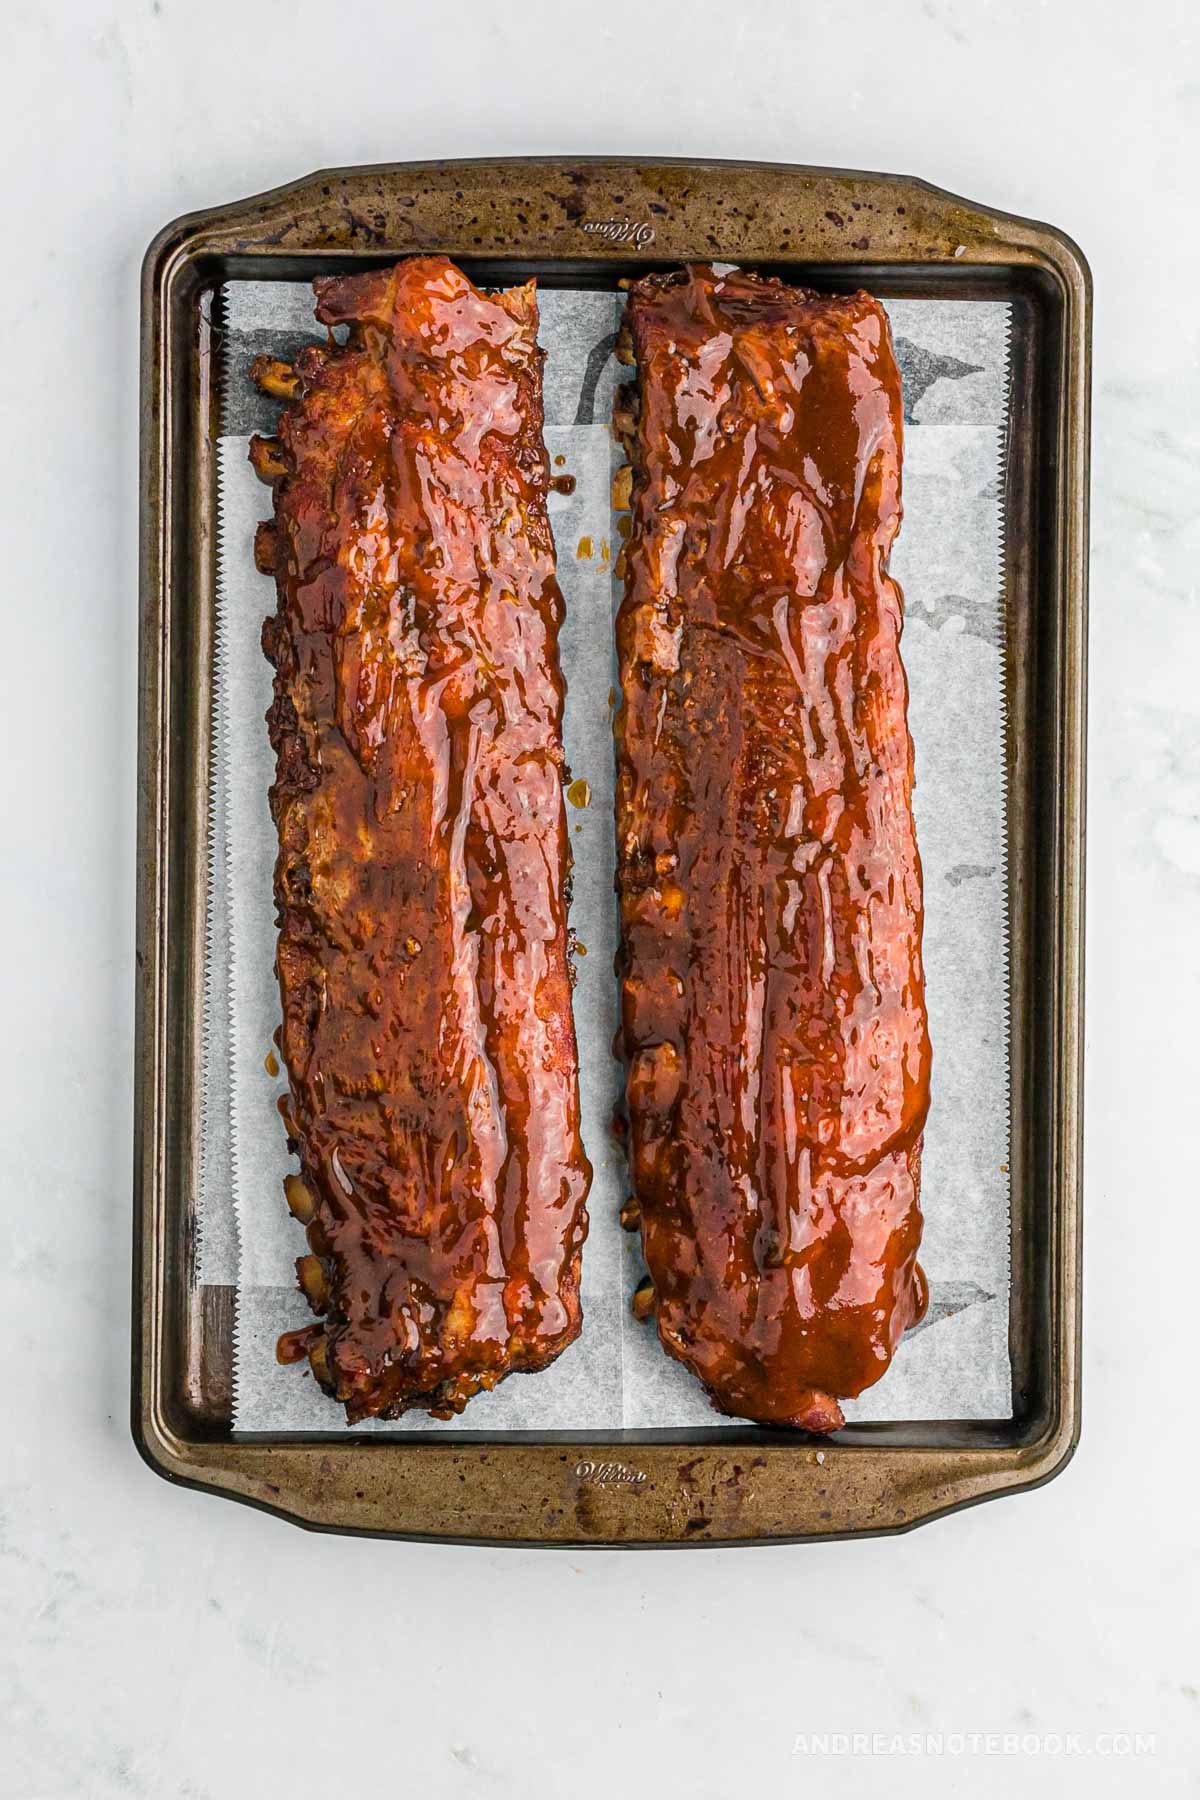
<point x="773" y="1016"/>
<point x="422" y="869"/>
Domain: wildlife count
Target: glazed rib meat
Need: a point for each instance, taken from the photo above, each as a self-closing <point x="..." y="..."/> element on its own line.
<point x="420" y="883"/>
<point x="773" y="1016"/>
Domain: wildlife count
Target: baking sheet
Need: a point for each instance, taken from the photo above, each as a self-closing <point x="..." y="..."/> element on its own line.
<point x="953" y="358"/>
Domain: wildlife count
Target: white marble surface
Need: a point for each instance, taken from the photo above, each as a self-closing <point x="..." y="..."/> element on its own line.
<point x="162" y="1644"/>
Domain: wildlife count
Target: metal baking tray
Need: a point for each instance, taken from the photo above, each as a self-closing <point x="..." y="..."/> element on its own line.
<point x="588" y="223"/>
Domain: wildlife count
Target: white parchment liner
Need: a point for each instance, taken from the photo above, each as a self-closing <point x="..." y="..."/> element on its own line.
<point x="953" y="356"/>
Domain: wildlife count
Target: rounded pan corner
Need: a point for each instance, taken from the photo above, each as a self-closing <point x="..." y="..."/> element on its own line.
<point x="1017" y="1472"/>
<point x="1070" y="257"/>
<point x="219" y="1475"/>
<point x="1047" y="246"/>
<point x="1050" y="1454"/>
<point x="156" y="1447"/>
<point x="173" y="244"/>
<point x="1057" y="253"/>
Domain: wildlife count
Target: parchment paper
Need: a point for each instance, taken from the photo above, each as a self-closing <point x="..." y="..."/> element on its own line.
<point x="953" y="357"/>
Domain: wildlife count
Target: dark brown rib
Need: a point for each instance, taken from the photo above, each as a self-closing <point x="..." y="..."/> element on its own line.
<point x="772" y="1002"/>
<point x="420" y="884"/>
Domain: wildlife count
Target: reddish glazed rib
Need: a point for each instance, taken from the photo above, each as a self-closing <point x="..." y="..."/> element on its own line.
<point x="772" y="1004"/>
<point x="422" y="956"/>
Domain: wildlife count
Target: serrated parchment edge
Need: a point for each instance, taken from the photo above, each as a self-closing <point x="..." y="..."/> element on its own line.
<point x="208" y="1049"/>
<point x="223" y="751"/>
<point x="1002" y="468"/>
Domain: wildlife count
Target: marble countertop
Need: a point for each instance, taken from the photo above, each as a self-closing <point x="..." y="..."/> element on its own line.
<point x="159" y="1643"/>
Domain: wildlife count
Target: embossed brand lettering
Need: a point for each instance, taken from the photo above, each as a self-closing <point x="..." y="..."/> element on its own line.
<point x="610" y="1474"/>
<point x="621" y="231"/>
